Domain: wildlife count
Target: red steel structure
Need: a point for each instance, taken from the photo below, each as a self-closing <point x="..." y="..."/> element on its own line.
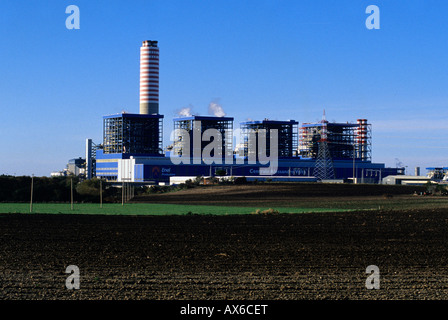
<point x="345" y="140"/>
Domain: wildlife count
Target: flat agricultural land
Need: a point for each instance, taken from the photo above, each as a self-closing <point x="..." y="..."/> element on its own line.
<point x="291" y="256"/>
<point x="285" y="196"/>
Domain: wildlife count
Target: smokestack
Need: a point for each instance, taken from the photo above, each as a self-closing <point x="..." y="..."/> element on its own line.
<point x="88" y="159"/>
<point x="149" y="78"/>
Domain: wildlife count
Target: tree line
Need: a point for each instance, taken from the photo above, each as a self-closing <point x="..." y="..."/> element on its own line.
<point x="59" y="189"/>
<point x="55" y="189"/>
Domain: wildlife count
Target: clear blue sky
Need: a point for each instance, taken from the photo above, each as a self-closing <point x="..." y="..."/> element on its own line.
<point x="282" y="59"/>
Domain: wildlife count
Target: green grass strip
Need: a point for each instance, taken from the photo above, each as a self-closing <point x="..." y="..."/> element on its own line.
<point x="146" y="209"/>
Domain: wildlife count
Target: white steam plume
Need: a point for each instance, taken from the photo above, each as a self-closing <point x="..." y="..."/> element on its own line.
<point x="215" y="109"/>
<point x="184" y="112"/>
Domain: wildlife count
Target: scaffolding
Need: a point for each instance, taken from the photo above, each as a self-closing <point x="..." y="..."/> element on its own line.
<point x="345" y="140"/>
<point x="133" y="134"/>
<point x="364" y="140"/>
<point x="287" y="136"/>
<point x="199" y="124"/>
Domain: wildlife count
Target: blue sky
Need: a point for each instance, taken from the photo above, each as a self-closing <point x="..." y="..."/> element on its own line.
<point x="282" y="59"/>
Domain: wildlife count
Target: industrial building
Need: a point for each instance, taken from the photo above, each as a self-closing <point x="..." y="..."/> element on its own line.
<point x="75" y="167"/>
<point x="133" y="133"/>
<point x="438" y="173"/>
<point x="195" y="127"/>
<point x="406" y="180"/>
<point x="127" y="135"/>
<point x="345" y="140"/>
<point x="152" y="170"/>
<point x="132" y="146"/>
<point x="286" y="136"/>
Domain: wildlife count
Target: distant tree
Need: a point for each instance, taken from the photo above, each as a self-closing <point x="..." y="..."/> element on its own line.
<point x="199" y="180"/>
<point x="90" y="188"/>
<point x="221" y="172"/>
<point x="240" y="180"/>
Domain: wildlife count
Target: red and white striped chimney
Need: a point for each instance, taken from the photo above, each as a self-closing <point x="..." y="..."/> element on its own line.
<point x="149" y="78"/>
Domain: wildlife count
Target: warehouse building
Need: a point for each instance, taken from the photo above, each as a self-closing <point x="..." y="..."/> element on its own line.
<point x="406" y="180"/>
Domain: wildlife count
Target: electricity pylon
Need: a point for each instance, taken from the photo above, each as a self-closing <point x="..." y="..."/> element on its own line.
<point x="324" y="169"/>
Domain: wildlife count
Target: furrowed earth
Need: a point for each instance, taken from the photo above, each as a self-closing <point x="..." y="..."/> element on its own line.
<point x="311" y="256"/>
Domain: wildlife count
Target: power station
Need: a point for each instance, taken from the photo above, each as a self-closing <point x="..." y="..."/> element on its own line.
<point x="132" y="145"/>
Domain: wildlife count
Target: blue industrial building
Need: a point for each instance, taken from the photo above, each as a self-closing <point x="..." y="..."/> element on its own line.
<point x="122" y="167"/>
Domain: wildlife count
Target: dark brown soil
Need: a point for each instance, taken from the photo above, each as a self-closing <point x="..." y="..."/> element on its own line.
<point x="303" y="256"/>
<point x="284" y="194"/>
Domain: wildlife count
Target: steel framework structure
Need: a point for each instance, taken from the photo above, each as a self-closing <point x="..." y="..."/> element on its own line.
<point x="133" y="133"/>
<point x="199" y="124"/>
<point x="287" y="136"/>
<point x="324" y="169"/>
<point x="345" y="140"/>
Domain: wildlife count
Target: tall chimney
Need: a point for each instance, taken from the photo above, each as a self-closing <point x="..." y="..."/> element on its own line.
<point x="88" y="159"/>
<point x="149" y="78"/>
<point x="417" y="171"/>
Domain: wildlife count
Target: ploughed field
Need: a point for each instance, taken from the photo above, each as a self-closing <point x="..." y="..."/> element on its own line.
<point x="284" y="194"/>
<point x="302" y="195"/>
<point x="285" y="256"/>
